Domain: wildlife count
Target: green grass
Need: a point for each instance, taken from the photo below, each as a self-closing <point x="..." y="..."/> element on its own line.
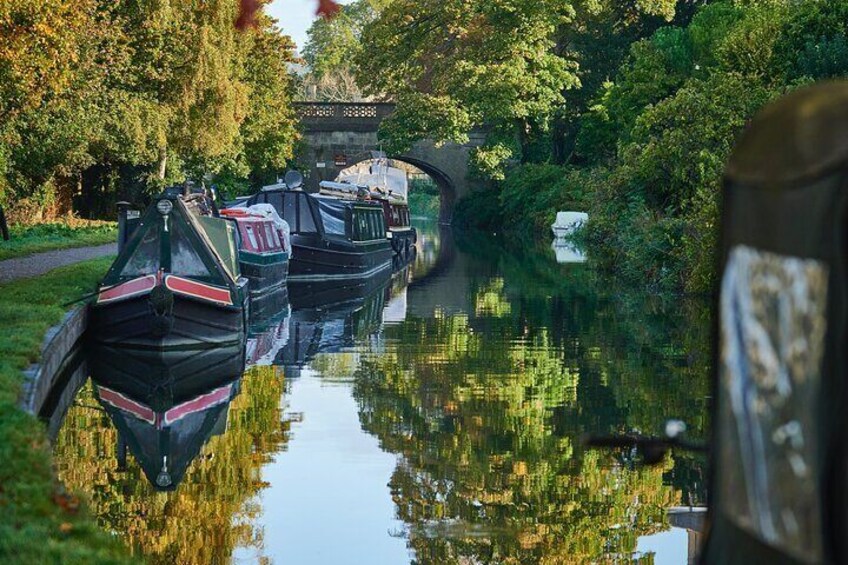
<point x="39" y="523"/>
<point x="26" y="240"/>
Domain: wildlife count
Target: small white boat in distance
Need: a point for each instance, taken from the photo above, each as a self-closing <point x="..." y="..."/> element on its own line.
<point x="568" y="222"/>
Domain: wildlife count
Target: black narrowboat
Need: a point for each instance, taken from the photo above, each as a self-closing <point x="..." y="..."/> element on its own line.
<point x="166" y="405"/>
<point x="176" y="282"/>
<point x="400" y="233"/>
<point x="333" y="239"/>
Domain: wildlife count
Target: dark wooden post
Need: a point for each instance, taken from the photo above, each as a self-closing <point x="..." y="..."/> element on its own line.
<point x="4" y="229"/>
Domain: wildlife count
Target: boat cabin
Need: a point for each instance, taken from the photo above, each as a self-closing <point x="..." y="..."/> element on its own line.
<point x="331" y="237"/>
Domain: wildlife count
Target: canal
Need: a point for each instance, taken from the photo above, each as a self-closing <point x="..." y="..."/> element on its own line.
<point x="438" y="419"/>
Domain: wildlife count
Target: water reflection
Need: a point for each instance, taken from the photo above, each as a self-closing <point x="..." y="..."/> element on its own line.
<point x="434" y="417"/>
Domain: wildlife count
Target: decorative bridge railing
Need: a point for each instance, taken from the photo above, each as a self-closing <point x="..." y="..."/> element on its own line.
<point x="343" y="116"/>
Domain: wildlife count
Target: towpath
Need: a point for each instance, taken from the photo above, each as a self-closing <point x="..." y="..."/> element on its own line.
<point x="40" y="263"/>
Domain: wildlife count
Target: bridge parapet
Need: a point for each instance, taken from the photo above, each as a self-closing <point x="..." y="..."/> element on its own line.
<point x="343" y="116"/>
<point x="340" y="134"/>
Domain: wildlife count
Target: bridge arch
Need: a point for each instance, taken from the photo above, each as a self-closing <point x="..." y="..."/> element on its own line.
<point x="337" y="135"/>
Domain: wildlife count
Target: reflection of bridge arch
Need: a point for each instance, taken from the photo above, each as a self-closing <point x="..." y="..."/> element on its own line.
<point x="349" y="131"/>
<point x="442" y="285"/>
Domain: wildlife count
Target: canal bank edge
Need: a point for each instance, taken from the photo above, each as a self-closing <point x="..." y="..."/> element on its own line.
<point x="39" y="521"/>
<point x="59" y="341"/>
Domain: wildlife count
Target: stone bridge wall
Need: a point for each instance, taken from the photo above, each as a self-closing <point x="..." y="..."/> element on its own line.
<point x="349" y="131"/>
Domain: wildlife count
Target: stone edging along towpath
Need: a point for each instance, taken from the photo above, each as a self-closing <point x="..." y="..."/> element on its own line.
<point x="59" y="342"/>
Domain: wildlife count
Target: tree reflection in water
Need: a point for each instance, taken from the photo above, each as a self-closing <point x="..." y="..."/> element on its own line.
<point x="486" y="410"/>
<point x="483" y="389"/>
<point x="215" y="506"/>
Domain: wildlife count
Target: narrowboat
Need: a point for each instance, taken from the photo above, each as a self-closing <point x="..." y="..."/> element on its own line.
<point x="389" y="186"/>
<point x="332" y="238"/>
<point x="400" y="233"/>
<point x="165" y="405"/>
<point x="175" y="283"/>
<point x="264" y="243"/>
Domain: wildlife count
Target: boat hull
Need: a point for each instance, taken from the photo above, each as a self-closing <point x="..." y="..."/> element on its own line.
<point x="314" y="259"/>
<point x="403" y="242"/>
<point x="266" y="274"/>
<point x="192" y="324"/>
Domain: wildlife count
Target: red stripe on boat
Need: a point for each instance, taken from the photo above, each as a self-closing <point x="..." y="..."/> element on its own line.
<point x="121" y="402"/>
<point x="203" y="402"/>
<point x="198" y="290"/>
<point x="127" y="289"/>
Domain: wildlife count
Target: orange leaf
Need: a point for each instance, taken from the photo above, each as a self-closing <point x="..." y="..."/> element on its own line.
<point x="327" y="9"/>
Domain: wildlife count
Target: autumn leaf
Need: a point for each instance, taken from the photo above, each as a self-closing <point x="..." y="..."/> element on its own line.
<point x="247" y="14"/>
<point x="327" y="9"/>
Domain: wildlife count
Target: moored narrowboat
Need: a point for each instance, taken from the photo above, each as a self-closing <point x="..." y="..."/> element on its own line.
<point x="175" y="283"/>
<point x="399" y="231"/>
<point x="264" y="242"/>
<point x="332" y="238"/>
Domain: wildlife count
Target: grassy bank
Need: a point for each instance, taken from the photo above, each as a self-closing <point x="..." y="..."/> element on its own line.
<point x="39" y="523"/>
<point x="66" y="234"/>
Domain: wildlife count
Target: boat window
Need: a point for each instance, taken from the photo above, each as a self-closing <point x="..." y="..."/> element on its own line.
<point x="307" y="224"/>
<point x="185" y="259"/>
<point x="251" y="237"/>
<point x="271" y="236"/>
<point x="375" y="224"/>
<point x="145" y="259"/>
<point x="381" y="224"/>
<point x="361" y="219"/>
<point x="275" y="199"/>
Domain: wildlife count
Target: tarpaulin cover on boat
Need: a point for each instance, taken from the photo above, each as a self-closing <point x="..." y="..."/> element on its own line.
<point x="332" y="212"/>
<point x="779" y="474"/>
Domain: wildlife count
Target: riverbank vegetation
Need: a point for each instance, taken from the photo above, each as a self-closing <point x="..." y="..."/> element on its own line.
<point x="627" y="110"/>
<point x="64" y="234"/>
<point x="423" y="198"/>
<point x="39" y="521"/>
<point x="103" y="101"/>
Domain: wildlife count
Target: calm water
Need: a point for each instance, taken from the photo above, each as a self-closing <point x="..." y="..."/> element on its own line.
<point x="436" y="420"/>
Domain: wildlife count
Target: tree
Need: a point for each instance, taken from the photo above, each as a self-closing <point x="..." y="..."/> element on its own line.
<point x="452" y="65"/>
<point x="331" y="48"/>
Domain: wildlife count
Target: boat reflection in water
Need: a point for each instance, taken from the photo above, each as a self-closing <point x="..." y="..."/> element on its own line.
<point x="165" y="405"/>
<point x="267" y="338"/>
<point x="338" y="326"/>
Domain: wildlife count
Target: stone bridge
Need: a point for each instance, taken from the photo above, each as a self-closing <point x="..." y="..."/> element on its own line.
<point x="337" y="135"/>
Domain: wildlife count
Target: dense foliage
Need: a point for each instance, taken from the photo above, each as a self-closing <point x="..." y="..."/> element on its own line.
<point x="102" y="97"/>
<point x="330" y="51"/>
<point x="627" y="110"/>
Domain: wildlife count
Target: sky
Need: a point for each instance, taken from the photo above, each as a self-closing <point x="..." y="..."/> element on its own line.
<point x="295" y="17"/>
